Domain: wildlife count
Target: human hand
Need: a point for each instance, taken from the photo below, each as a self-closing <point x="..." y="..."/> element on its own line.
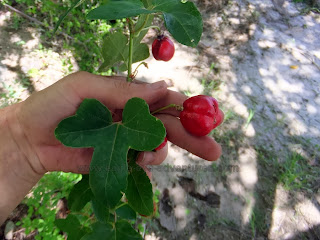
<point x="39" y="115"/>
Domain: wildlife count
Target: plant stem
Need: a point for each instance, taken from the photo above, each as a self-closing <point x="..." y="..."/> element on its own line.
<point x="177" y="107"/>
<point x="129" y="79"/>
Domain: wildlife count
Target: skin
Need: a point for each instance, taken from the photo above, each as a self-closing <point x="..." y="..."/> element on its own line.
<point x="29" y="148"/>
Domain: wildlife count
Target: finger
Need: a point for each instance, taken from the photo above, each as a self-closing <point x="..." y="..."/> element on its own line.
<point x="76" y="160"/>
<point x="153" y="158"/>
<point x="204" y="147"/>
<point x="111" y="91"/>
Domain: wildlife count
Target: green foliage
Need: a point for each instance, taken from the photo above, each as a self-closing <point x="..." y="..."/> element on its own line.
<point x="92" y="127"/>
<point x="66" y="13"/>
<point x="139" y="191"/>
<point x="80" y="194"/>
<point x="86" y="34"/>
<point x="126" y="212"/>
<point x="43" y="201"/>
<point x="118" y="9"/>
<point x="113" y="48"/>
<point x="182" y="19"/>
<point x="8" y="95"/>
<point x="121" y="231"/>
<point x="100" y="211"/>
<point x="296" y="173"/>
<point x="72" y="226"/>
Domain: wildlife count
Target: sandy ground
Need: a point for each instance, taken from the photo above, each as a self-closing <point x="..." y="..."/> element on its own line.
<point x="266" y="60"/>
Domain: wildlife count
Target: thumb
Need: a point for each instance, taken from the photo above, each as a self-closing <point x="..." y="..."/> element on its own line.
<point x="114" y="92"/>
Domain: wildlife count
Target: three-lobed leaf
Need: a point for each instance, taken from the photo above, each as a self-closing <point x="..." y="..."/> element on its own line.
<point x="92" y="127"/>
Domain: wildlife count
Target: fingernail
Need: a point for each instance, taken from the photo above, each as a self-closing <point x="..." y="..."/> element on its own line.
<point x="147" y="158"/>
<point x="158" y="85"/>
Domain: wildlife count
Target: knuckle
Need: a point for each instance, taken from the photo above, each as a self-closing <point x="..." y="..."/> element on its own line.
<point x="122" y="85"/>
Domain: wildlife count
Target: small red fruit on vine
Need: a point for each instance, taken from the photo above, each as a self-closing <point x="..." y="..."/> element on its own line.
<point x="200" y="115"/>
<point x="162" y="48"/>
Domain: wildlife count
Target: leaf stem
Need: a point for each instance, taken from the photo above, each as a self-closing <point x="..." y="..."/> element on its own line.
<point x="156" y="27"/>
<point x="129" y="77"/>
<point x="137" y="31"/>
<point x="122" y="204"/>
<point x="177" y="107"/>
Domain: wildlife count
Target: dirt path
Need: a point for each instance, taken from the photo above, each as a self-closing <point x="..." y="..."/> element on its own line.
<point x="267" y="65"/>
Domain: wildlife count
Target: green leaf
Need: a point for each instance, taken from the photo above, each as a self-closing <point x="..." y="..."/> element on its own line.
<point x="62" y="17"/>
<point x="124" y="231"/>
<point x="183" y="20"/>
<point x="118" y="9"/>
<point x="140" y="53"/>
<point x="113" y="49"/>
<point x="139" y="130"/>
<point x="100" y="211"/>
<point x="126" y="212"/>
<point x="71" y="225"/>
<point x="82" y="130"/>
<point x="147" y="3"/>
<point x="116" y="50"/>
<point x="105" y="231"/>
<point x="101" y="231"/>
<point x="139" y="191"/>
<point x="80" y="194"/>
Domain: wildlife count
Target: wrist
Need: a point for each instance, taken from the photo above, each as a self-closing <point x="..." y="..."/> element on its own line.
<point x="17" y="175"/>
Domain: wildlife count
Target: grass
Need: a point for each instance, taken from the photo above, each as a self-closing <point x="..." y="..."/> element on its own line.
<point x="210" y="85"/>
<point x="249" y="119"/>
<point x="42" y="204"/>
<point x="297" y="174"/>
<point x="312" y="6"/>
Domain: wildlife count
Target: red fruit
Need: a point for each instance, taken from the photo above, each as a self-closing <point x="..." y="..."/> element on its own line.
<point x="162" y="144"/>
<point x="200" y="115"/>
<point x="162" y="48"/>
